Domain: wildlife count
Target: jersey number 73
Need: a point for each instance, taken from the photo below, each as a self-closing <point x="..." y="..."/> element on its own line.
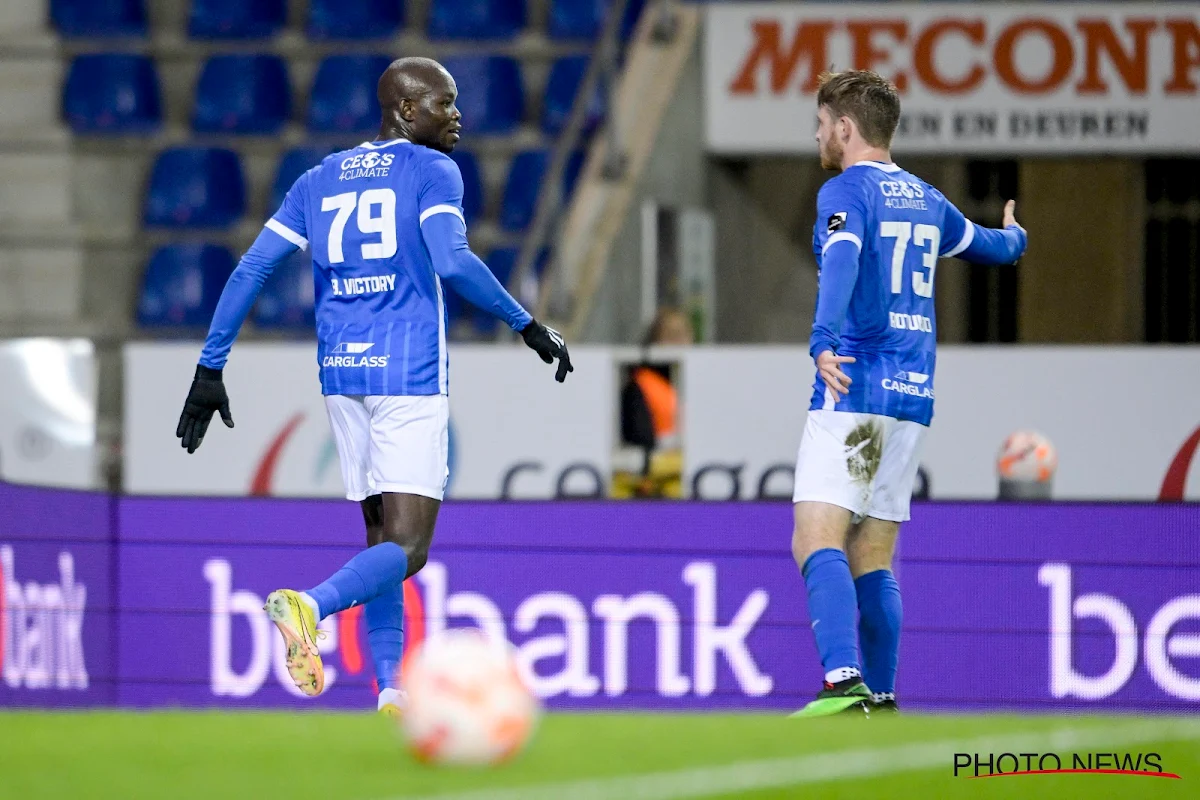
<point x="928" y="238"/>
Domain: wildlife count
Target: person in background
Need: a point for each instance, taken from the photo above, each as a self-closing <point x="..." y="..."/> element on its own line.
<point x="650" y="410"/>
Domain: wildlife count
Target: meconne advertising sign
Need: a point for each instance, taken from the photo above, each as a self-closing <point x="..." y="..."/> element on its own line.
<point x="973" y="77"/>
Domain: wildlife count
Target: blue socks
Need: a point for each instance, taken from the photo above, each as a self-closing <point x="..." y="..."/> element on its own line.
<point x="832" y="609"/>
<point x="366" y="576"/>
<point x="880" y="613"/>
<point x="385" y="633"/>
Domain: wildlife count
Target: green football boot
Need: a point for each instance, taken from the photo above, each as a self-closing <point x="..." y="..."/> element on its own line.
<point x="848" y="696"/>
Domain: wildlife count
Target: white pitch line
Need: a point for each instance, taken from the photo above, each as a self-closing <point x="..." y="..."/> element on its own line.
<point x="745" y="776"/>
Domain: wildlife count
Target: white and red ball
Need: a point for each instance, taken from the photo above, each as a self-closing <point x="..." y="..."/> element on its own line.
<point x="467" y="702"/>
<point x="1027" y="456"/>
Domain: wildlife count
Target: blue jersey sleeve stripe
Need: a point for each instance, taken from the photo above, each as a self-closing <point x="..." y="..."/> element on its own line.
<point x="843" y="236"/>
<point x="275" y="226"/>
<point x="443" y="208"/>
<point x="965" y="242"/>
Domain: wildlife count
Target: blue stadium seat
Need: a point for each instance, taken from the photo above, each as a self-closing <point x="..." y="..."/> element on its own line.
<point x="287" y="300"/>
<point x="584" y="19"/>
<point x="294" y="163"/>
<point x="524" y="182"/>
<point x="576" y="19"/>
<point x="343" y="96"/>
<point x="490" y="93"/>
<point x="354" y="19"/>
<point x="521" y="189"/>
<point x="87" y="18"/>
<point x="112" y="94"/>
<point x="182" y="284"/>
<point x="195" y="187"/>
<point x="561" y="87"/>
<point x="476" y="19"/>
<point x="236" y="19"/>
<point x="242" y="94"/>
<point x="468" y="165"/>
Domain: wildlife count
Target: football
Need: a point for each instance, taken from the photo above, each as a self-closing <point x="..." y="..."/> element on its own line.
<point x="1027" y="456"/>
<point x="467" y="702"/>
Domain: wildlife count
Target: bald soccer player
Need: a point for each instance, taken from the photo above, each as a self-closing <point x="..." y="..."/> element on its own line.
<point x="385" y="225"/>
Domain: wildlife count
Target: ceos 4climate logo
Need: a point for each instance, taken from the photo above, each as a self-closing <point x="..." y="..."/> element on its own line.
<point x="366" y="165"/>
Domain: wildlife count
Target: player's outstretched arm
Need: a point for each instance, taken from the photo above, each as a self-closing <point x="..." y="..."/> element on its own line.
<point x="445" y="236"/>
<point x="207" y="395"/>
<point x="990" y="246"/>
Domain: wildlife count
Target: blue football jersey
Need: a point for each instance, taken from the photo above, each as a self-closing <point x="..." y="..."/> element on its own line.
<point x="901" y="226"/>
<point x="381" y="315"/>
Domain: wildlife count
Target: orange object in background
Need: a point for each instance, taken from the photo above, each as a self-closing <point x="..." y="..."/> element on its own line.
<point x="661" y="398"/>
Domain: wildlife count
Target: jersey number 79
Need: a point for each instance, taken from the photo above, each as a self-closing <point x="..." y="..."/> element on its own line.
<point x="383" y="224"/>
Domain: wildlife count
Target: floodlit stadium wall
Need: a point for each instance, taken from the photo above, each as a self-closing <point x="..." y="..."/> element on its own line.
<point x="517" y="434"/>
<point x="151" y="602"/>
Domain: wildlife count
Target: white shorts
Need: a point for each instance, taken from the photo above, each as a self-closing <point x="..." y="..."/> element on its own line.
<point x="391" y="444"/>
<point x="865" y="463"/>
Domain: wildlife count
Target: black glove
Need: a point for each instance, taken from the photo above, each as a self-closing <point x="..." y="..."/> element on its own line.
<point x="548" y="343"/>
<point x="206" y="396"/>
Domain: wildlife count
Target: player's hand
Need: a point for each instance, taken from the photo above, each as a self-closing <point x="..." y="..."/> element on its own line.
<point x="206" y="397"/>
<point x="1010" y="214"/>
<point x="829" y="367"/>
<point x="549" y="344"/>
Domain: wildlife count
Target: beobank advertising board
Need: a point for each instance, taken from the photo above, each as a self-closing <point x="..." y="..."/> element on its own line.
<point x="973" y="77"/>
<point x="608" y="605"/>
<point x="57" y="621"/>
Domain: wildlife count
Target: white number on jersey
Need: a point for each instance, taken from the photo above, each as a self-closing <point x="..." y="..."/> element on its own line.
<point x="383" y="224"/>
<point x="920" y="235"/>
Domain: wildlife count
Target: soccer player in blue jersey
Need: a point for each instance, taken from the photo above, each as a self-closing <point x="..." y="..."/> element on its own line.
<point x="878" y="237"/>
<point x="384" y="223"/>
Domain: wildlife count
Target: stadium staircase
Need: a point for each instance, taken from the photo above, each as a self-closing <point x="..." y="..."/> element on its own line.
<point x="583" y="233"/>
<point x="41" y="247"/>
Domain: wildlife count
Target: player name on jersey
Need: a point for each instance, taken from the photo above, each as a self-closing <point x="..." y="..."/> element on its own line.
<point x="365" y="285"/>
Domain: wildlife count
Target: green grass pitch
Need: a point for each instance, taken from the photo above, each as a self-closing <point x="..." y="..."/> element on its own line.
<point x="226" y="756"/>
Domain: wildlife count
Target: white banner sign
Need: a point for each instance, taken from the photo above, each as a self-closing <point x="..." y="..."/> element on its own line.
<point x="48" y="412"/>
<point x="516" y="433"/>
<point x="745" y="413"/>
<point x="974" y="78"/>
<point x="513" y="430"/>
